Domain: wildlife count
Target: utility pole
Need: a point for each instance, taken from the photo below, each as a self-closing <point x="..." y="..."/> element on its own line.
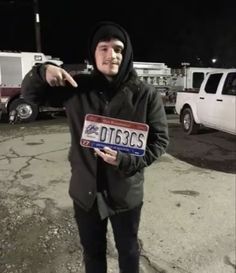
<point x="37" y="26"/>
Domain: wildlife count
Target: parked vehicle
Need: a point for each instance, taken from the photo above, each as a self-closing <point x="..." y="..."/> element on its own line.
<point x="159" y="75"/>
<point x="212" y="106"/>
<point x="13" y="67"/>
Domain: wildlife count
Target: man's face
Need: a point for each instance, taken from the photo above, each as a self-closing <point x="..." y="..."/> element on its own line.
<point x="108" y="57"/>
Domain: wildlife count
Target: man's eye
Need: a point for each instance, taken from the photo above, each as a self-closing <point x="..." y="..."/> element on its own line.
<point x="118" y="50"/>
<point x="103" y="49"/>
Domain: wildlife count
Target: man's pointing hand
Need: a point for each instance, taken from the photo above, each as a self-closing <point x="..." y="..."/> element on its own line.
<point x="56" y="76"/>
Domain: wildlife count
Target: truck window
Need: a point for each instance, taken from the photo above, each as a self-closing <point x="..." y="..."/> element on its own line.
<point x="212" y="83"/>
<point x="230" y="85"/>
<point x="197" y="79"/>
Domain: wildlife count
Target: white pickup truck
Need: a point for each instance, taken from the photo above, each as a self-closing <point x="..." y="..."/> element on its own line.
<point x="213" y="106"/>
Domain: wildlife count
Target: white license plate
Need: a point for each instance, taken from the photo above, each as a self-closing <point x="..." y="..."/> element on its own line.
<point x="117" y="134"/>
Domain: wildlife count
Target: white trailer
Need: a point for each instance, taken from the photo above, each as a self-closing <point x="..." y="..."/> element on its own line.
<point x="159" y="75"/>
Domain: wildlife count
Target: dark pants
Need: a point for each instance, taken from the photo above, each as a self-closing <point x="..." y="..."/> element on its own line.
<point x="92" y="231"/>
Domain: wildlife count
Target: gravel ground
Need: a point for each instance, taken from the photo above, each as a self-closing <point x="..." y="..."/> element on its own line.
<point x="37" y="240"/>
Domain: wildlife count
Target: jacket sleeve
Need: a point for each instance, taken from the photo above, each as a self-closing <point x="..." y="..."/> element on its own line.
<point x="35" y="89"/>
<point x="157" y="141"/>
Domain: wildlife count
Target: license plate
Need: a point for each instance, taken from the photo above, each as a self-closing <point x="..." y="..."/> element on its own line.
<point x="117" y="134"/>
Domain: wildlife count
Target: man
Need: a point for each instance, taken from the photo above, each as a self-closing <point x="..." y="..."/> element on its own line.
<point x="105" y="184"/>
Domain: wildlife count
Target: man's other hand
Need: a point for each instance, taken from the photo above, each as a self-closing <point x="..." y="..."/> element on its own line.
<point x="108" y="155"/>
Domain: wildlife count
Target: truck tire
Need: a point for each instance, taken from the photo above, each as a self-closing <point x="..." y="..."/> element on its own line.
<point x="26" y="112"/>
<point x="188" y="123"/>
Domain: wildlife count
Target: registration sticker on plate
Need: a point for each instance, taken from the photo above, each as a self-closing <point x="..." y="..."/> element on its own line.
<point x="117" y="134"/>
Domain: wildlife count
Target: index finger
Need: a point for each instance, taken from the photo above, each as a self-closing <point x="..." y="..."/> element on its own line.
<point x="68" y="77"/>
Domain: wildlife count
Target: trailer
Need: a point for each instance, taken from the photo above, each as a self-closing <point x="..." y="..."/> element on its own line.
<point x="159" y="75"/>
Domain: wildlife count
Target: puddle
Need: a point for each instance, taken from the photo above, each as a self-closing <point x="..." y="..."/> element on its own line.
<point x="33" y="143"/>
<point x="28" y="175"/>
<point x="186" y="192"/>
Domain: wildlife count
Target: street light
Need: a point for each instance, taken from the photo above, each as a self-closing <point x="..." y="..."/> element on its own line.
<point x="214" y="60"/>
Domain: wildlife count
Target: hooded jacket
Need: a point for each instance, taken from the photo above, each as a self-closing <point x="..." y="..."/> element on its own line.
<point x="125" y="98"/>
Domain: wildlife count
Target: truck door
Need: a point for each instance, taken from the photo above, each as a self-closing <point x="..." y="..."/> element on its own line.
<point x="207" y="100"/>
<point x="224" y="110"/>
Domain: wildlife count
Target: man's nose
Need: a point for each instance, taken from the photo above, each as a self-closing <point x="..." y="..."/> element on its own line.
<point x="112" y="53"/>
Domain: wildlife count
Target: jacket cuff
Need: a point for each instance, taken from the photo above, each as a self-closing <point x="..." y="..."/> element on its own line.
<point x="124" y="161"/>
<point x="42" y="70"/>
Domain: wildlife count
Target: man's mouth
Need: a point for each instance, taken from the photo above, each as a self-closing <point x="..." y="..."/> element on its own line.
<point x="111" y="63"/>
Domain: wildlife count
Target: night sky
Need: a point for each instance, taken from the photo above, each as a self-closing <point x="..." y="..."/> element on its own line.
<point x="161" y="31"/>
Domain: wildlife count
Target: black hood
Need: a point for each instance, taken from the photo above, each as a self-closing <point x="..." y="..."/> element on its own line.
<point x="107" y="30"/>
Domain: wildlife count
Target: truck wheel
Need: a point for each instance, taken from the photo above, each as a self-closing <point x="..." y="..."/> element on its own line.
<point x="189" y="126"/>
<point x="26" y="111"/>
